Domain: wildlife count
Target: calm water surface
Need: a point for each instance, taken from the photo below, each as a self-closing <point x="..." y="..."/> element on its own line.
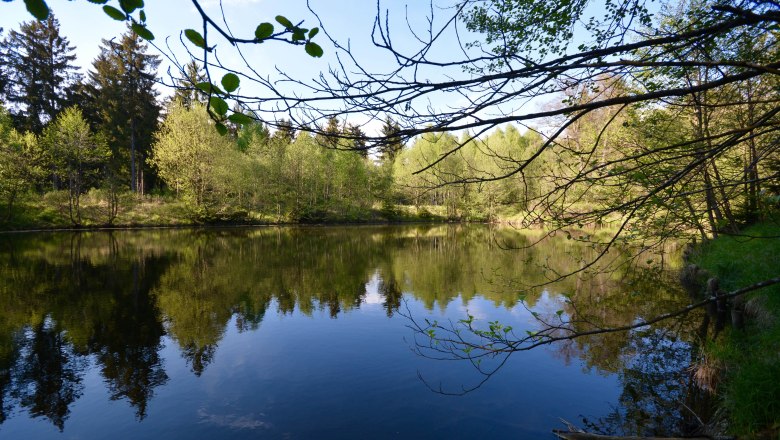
<point x="303" y="333"/>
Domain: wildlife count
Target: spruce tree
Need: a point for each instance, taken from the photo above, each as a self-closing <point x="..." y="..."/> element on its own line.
<point x="186" y="93"/>
<point x="124" y="104"/>
<point x="392" y="144"/>
<point x="38" y="72"/>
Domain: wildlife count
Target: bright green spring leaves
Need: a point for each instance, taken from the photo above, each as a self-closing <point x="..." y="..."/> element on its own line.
<point x="195" y="38"/>
<point x="264" y="30"/>
<point x="230" y="82"/>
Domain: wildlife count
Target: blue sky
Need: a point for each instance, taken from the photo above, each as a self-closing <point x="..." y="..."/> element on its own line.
<point x="347" y="21"/>
<point x="85" y="24"/>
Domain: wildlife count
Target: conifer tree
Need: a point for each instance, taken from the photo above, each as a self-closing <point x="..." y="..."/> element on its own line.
<point x="186" y="92"/>
<point x="121" y="94"/>
<point x="38" y="72"/>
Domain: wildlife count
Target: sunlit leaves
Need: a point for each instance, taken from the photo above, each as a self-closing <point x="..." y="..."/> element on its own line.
<point x="37" y="8"/>
<point x="230" y="82"/>
<point x="284" y="21"/>
<point x="264" y="30"/>
<point x="195" y="38"/>
<point x="208" y="88"/>
<point x="142" y="31"/>
<point x="299" y="34"/>
<point x="219" y="105"/>
<point x="131" y="5"/>
<point x="114" y="13"/>
<point x="313" y="49"/>
<point x="240" y="118"/>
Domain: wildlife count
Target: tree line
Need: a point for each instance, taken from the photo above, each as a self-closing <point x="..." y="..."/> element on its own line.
<point x="701" y="159"/>
<point x="110" y="134"/>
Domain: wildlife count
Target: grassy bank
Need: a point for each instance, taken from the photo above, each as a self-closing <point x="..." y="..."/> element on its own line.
<point x="749" y="359"/>
<point x="52" y="212"/>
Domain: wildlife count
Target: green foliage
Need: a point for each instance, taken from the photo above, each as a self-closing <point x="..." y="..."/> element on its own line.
<point x="114" y="13"/>
<point x="195" y="38"/>
<point x="447" y="183"/>
<point x="264" y="30"/>
<point x="121" y="103"/>
<point x="37" y="8"/>
<point x="76" y="156"/>
<point x="186" y="151"/>
<point x="230" y="82"/>
<point x="21" y="163"/>
<point x="752" y="369"/>
<point x="218" y="105"/>
<point x="314" y="49"/>
<point x="38" y="62"/>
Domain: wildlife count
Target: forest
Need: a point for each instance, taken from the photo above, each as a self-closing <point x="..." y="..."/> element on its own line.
<point x="85" y="151"/>
<point x="107" y="149"/>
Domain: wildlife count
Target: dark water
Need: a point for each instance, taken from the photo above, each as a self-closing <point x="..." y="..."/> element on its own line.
<point x="303" y="333"/>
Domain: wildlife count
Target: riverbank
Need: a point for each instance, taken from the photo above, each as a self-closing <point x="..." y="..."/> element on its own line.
<point x="53" y="213"/>
<point x="748" y="359"/>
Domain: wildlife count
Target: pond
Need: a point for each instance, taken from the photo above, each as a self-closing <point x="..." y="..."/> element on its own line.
<point x="305" y="333"/>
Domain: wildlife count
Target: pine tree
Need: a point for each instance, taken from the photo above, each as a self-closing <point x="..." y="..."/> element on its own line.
<point x="392" y="144"/>
<point x="124" y="104"/>
<point x="331" y="134"/>
<point x="285" y="133"/>
<point x="357" y="139"/>
<point x="186" y="93"/>
<point x="38" y="73"/>
<point x="3" y="68"/>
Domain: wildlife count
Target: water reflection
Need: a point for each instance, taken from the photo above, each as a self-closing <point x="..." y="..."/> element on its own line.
<point x="71" y="303"/>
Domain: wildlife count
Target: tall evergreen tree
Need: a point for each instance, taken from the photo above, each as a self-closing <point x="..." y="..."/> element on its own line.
<point x="392" y="145"/>
<point x="331" y="134"/>
<point x="121" y="94"/>
<point x="38" y="72"/>
<point x="186" y="92"/>
<point x="285" y="133"/>
<point x="3" y="68"/>
<point x="357" y="139"/>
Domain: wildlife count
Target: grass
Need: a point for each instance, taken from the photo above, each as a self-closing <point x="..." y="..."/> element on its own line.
<point x="50" y="211"/>
<point x="750" y="388"/>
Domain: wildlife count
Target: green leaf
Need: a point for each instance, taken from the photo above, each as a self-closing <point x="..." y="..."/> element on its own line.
<point x="142" y="16"/>
<point x="313" y="49"/>
<point x="284" y="21"/>
<point x="219" y="105"/>
<point x="559" y="312"/>
<point x="114" y="13"/>
<point x="298" y="35"/>
<point x="209" y="88"/>
<point x="195" y="37"/>
<point x="230" y="82"/>
<point x="98" y="2"/>
<point x="142" y="31"/>
<point x="221" y="129"/>
<point x="37" y="8"/>
<point x="313" y="32"/>
<point x="130" y="5"/>
<point x="240" y="118"/>
<point x="264" y="30"/>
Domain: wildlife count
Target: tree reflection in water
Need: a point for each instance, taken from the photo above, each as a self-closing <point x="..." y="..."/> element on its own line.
<point x="71" y="299"/>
